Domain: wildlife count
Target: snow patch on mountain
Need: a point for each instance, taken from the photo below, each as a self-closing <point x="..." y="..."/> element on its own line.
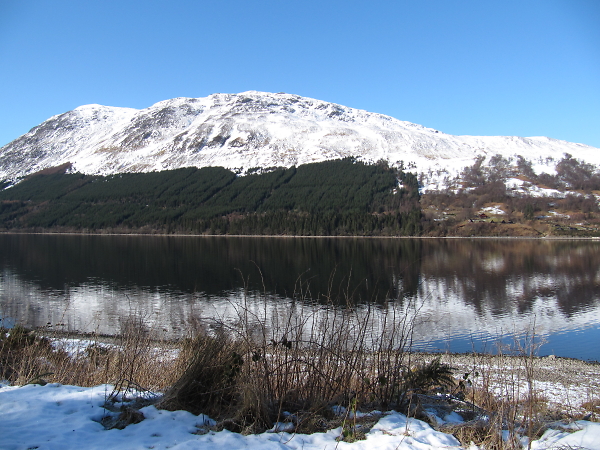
<point x="256" y="129"/>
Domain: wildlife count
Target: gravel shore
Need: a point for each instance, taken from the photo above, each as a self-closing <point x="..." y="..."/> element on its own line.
<point x="565" y="384"/>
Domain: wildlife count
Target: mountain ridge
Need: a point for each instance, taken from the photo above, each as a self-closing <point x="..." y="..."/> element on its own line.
<point x="254" y="129"/>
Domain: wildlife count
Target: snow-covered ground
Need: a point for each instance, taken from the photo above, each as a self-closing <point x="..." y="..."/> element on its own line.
<point x="68" y="417"/>
<point x="495" y="210"/>
<point x="520" y="187"/>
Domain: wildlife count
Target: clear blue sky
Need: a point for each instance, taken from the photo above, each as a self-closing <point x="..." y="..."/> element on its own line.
<point x="477" y="67"/>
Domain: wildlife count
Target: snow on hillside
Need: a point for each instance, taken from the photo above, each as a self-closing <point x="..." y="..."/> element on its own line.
<point x="254" y="129"/>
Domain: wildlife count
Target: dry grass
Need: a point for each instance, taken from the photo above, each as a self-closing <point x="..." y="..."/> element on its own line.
<point x="593" y="407"/>
<point x="135" y="359"/>
<point x="484" y="434"/>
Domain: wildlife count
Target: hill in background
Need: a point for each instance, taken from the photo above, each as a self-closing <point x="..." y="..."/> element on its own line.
<point x="309" y="168"/>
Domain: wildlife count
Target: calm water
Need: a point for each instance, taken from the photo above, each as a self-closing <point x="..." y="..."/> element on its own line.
<point x="467" y="294"/>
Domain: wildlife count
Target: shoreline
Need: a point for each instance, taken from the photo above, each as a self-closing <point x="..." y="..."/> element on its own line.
<point x="450" y="356"/>
<point x="279" y="236"/>
<point x="564" y="384"/>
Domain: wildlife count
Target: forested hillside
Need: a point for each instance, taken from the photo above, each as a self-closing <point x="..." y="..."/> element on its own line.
<point x="341" y="197"/>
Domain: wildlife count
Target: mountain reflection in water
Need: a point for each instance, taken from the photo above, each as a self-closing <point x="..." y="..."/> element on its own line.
<point x="467" y="292"/>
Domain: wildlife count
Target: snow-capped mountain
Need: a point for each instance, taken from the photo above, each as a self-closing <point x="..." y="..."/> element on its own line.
<point x="252" y="129"/>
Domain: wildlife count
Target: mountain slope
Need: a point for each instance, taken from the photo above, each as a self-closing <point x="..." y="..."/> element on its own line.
<point x="251" y="129"/>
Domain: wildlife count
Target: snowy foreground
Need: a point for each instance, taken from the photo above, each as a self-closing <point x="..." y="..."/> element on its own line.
<point x="67" y="417"/>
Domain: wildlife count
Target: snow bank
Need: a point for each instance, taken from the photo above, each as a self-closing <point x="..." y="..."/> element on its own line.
<point x="579" y="435"/>
<point x="67" y="417"/>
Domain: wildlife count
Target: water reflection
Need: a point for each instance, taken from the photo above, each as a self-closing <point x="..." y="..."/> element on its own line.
<point x="468" y="292"/>
<point x="492" y="274"/>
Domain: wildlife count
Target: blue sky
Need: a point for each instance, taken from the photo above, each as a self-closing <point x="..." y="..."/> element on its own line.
<point x="477" y="67"/>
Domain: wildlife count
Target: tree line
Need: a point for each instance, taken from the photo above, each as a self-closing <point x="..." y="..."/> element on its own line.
<point x="340" y="197"/>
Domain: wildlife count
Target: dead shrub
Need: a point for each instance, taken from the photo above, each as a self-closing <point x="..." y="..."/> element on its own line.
<point x="208" y="381"/>
<point x="136" y="362"/>
<point x="260" y="368"/>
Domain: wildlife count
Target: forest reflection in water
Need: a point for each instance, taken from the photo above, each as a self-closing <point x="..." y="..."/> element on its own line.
<point x="467" y="291"/>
